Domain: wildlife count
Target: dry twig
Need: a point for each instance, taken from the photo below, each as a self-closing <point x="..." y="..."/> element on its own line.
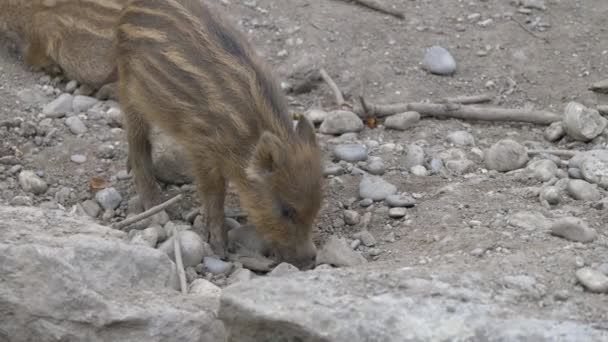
<point x="457" y="111"/>
<point x="469" y="99"/>
<point x="373" y="5"/>
<point x="334" y="88"/>
<point x="178" y="261"/>
<point x="147" y="213"/>
<point x="600" y="87"/>
<point x="559" y="153"/>
<point x="530" y="31"/>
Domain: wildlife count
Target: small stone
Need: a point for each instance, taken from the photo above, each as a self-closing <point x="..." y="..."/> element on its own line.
<point x="376" y="166"/>
<point x="332" y="169"/>
<point x="595" y="170"/>
<point x="78" y="158"/>
<point x="436" y="165"/>
<point x="375" y="188"/>
<point x="351" y="152"/>
<point x="338" y="253"/>
<point x="374" y="252"/>
<point x="316" y="116"/>
<point x="397" y="213"/>
<point x="31" y="182"/>
<point x="460" y="166"/>
<point x="91" y="208"/>
<point x="108" y="214"/>
<point x="414" y="155"/>
<point x="366" y="202"/>
<point x="71" y="86"/>
<point x="561" y="295"/>
<point x="123" y="175"/>
<point x="603" y="268"/>
<point x="351" y="217"/>
<point x="58" y="107"/>
<point x="366" y="238"/>
<point x="543" y="170"/>
<point x="22" y="201"/>
<point x="419" y="171"/>
<point x="147" y="237"/>
<point x="114" y="117"/>
<point x="81" y="104"/>
<point x="204" y="288"/>
<point x="461" y="138"/>
<point x="217" y="266"/>
<point x="31" y="96"/>
<point x="573" y="229"/>
<point x="192" y="246"/>
<point x="554" y="132"/>
<point x="550" y="194"/>
<point x="438" y="60"/>
<point x="76" y="125"/>
<point x="283" y="269"/>
<point x="579" y="261"/>
<point x="400" y="201"/>
<point x="108" y="198"/>
<point x="506" y="155"/>
<point x="592" y="280"/>
<point x="240" y="275"/>
<point x="575" y="172"/>
<point x="340" y="121"/>
<point x="582" y="123"/>
<point x="402" y="121"/>
<point x="582" y="190"/>
<point x="477" y="252"/>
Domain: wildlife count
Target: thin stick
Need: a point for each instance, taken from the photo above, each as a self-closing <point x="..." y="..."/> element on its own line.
<point x="334" y="88"/>
<point x="457" y="111"/>
<point x="469" y="99"/>
<point x="530" y="31"/>
<point x="147" y="213"/>
<point x="373" y="5"/>
<point x="600" y="86"/>
<point x="177" y="250"/>
<point x="559" y="153"/>
<point x="602" y="109"/>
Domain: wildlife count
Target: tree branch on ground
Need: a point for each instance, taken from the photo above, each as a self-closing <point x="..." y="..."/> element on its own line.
<point x="374" y="5"/>
<point x="147" y="213"/>
<point x="458" y="111"/>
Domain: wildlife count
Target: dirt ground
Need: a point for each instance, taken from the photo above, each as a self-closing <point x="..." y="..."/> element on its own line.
<point x="378" y="56"/>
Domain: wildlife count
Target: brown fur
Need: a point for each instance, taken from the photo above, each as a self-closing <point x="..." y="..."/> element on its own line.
<point x="76" y="35"/>
<point x="185" y="69"/>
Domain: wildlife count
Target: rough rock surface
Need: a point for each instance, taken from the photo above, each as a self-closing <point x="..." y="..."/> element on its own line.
<point x="66" y="278"/>
<point x="364" y="305"/>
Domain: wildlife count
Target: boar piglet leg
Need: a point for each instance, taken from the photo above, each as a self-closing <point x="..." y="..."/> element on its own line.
<point x="140" y="158"/>
<point x="211" y="186"/>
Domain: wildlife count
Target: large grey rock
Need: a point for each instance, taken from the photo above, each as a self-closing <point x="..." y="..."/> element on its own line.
<point x="65" y="278"/>
<point x="506" y="155"/>
<point x="340" y="122"/>
<point x="59" y="106"/>
<point x="363" y="305"/>
<point x="438" y="60"/>
<point x="30" y="182"/>
<point x="582" y="123"/>
<point x="376" y="188"/>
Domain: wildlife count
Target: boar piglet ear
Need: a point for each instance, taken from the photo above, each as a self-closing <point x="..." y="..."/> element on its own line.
<point x="268" y="155"/>
<point x="306" y="131"/>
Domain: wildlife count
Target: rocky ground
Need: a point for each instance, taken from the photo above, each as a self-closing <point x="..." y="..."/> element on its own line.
<point x="444" y="229"/>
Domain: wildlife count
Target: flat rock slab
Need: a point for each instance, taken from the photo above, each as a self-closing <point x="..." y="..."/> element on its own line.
<point x="65" y="278"/>
<point x="359" y="305"/>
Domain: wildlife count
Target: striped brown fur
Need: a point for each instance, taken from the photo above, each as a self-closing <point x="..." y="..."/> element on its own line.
<point x="76" y="35"/>
<point x="184" y="68"/>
